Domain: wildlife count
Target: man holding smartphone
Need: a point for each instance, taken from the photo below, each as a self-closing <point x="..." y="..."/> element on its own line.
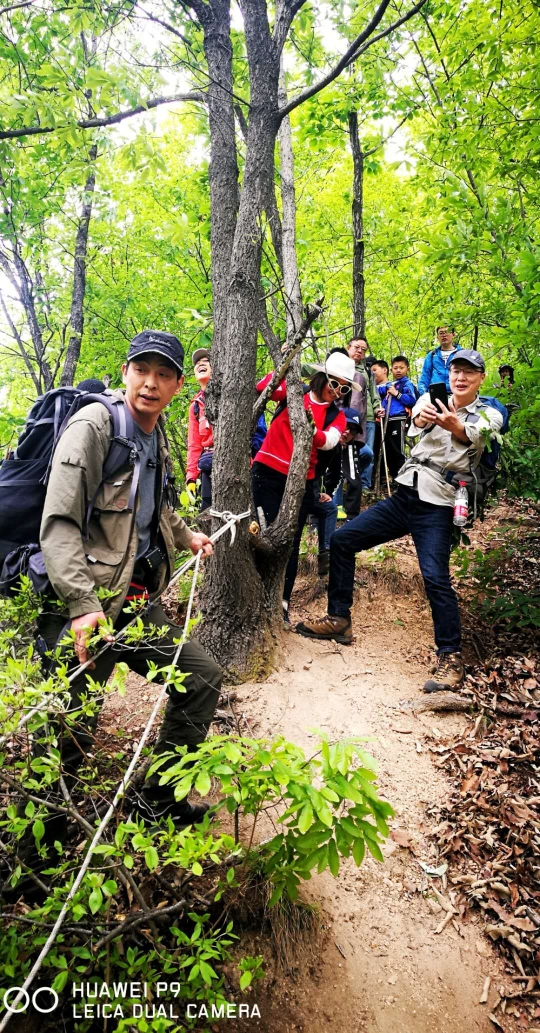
<point x="452" y="438"/>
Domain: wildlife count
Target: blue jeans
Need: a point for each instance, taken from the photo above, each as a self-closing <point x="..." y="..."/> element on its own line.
<point x="431" y="529"/>
<point x="367" y="474"/>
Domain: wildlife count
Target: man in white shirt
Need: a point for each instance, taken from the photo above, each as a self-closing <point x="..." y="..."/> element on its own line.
<point x="451" y="440"/>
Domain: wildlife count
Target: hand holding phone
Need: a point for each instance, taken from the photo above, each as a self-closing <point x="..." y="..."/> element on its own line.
<point x="438" y="393"/>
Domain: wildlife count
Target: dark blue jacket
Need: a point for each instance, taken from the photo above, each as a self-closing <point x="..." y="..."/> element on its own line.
<point x="434" y="370"/>
<point x="407" y="392"/>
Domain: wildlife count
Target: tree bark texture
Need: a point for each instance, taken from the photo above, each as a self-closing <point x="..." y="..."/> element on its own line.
<point x="243" y="587"/>
<point x="223" y="176"/>
<point x="76" y="317"/>
<point x="359" y="304"/>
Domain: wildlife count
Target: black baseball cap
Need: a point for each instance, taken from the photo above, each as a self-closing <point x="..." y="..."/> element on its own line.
<point x="157" y="342"/>
<point x="198" y="354"/>
<point x="471" y="356"/>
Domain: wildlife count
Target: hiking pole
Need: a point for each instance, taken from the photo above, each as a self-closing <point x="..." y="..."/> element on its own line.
<point x="383" y="445"/>
<point x="231" y="520"/>
<point x="119" y="794"/>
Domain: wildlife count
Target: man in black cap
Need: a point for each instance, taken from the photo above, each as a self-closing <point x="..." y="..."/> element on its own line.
<point x="126" y="547"/>
<point x="451" y="441"/>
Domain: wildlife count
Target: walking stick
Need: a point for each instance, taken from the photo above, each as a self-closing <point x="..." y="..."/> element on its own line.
<point x="383" y="446"/>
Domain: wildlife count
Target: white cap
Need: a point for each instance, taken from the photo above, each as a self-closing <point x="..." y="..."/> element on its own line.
<point x="338" y="365"/>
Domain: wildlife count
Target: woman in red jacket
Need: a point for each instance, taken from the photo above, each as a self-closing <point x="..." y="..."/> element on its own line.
<point x="200" y="447"/>
<point x="271" y="465"/>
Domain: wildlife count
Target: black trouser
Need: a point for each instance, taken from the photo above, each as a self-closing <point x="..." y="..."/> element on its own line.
<point x="394" y="441"/>
<point x="431" y="529"/>
<point x="268" y="489"/>
<point x="206" y="490"/>
<point x="352" y="497"/>
<point x="188" y="714"/>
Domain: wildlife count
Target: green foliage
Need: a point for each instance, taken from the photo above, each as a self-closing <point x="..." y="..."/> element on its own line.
<point x="503" y="581"/>
<point x="324" y="807"/>
<point x="328" y="804"/>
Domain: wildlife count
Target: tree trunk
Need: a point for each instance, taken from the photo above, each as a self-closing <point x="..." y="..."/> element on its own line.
<point x="291" y="278"/>
<point x="242" y="591"/>
<point x="76" y="317"/>
<point x="359" y="305"/>
<point x="223" y="178"/>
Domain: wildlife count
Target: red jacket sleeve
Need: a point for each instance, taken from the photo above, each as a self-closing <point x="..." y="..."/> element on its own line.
<point x="280" y="392"/>
<point x="340" y="423"/>
<point x="194" y="445"/>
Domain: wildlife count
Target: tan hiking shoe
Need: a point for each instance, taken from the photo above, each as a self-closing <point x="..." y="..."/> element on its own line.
<point x="447" y="674"/>
<point x="339" y="629"/>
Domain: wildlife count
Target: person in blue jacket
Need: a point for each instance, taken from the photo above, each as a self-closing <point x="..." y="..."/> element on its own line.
<point x="435" y="368"/>
<point x="400" y="394"/>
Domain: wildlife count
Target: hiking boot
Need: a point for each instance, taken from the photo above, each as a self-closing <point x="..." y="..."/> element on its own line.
<point x="286" y="616"/>
<point x="447" y="674"/>
<point x="182" y="812"/>
<point x="323" y="563"/>
<point x="339" y="629"/>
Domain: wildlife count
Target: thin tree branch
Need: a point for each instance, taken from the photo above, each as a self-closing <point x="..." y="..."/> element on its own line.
<point x="358" y="47"/>
<point x="109" y="120"/>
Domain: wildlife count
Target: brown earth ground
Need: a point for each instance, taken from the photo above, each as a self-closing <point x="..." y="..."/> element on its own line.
<point x="379" y="965"/>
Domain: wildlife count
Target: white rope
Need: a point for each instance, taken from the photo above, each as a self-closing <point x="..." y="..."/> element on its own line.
<point x="232" y="519"/>
<point x="110" y="812"/>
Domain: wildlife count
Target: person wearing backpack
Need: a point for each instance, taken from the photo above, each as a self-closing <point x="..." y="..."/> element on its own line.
<point x="452" y="440"/>
<point x="436" y="369"/>
<point x="127" y="547"/>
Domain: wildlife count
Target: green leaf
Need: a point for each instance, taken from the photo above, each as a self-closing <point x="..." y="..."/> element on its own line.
<point x="38" y="830"/>
<point x="277" y="894"/>
<point x="203" y="783"/>
<point x="358" y="851"/>
<point x="95" y="900"/>
<point x="306" y="818"/>
<point x="151" y="857"/>
<point x="60" y="980"/>
<point x="207" y="972"/>
<point x="333" y="858"/>
<point x="245" y="980"/>
<point x="375" y="850"/>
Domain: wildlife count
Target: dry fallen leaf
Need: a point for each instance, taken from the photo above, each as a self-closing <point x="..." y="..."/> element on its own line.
<point x="401" y="837"/>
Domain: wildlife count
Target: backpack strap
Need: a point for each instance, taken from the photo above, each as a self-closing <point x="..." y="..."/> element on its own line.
<point x="122" y="449"/>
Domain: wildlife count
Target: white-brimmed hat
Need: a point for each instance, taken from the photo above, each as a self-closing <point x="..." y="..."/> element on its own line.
<point x="337" y="365"/>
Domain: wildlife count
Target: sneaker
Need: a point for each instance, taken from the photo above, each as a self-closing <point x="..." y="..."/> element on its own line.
<point x="339" y="629"/>
<point x="286" y="616"/>
<point x="182" y="812"/>
<point x="323" y="563"/>
<point x="447" y="674"/>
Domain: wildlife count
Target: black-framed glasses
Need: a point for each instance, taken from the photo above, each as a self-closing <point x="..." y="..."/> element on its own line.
<point x="342" y="389"/>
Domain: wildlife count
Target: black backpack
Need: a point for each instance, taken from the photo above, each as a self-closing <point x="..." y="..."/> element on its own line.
<point x="24" y="475"/>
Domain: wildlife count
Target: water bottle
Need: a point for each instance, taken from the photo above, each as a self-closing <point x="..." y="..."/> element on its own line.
<point x="461" y="505"/>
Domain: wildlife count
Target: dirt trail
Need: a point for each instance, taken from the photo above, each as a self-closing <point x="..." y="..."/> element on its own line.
<point x="384" y="969"/>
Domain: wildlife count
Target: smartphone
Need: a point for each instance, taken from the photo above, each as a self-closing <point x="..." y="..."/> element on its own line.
<point x="438" y="392"/>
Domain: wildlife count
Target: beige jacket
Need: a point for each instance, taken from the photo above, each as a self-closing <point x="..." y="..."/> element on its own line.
<point x="441" y="448"/>
<point x="78" y="566"/>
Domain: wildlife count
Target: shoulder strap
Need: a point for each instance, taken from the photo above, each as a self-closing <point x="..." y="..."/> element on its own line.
<point x="122" y="449"/>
